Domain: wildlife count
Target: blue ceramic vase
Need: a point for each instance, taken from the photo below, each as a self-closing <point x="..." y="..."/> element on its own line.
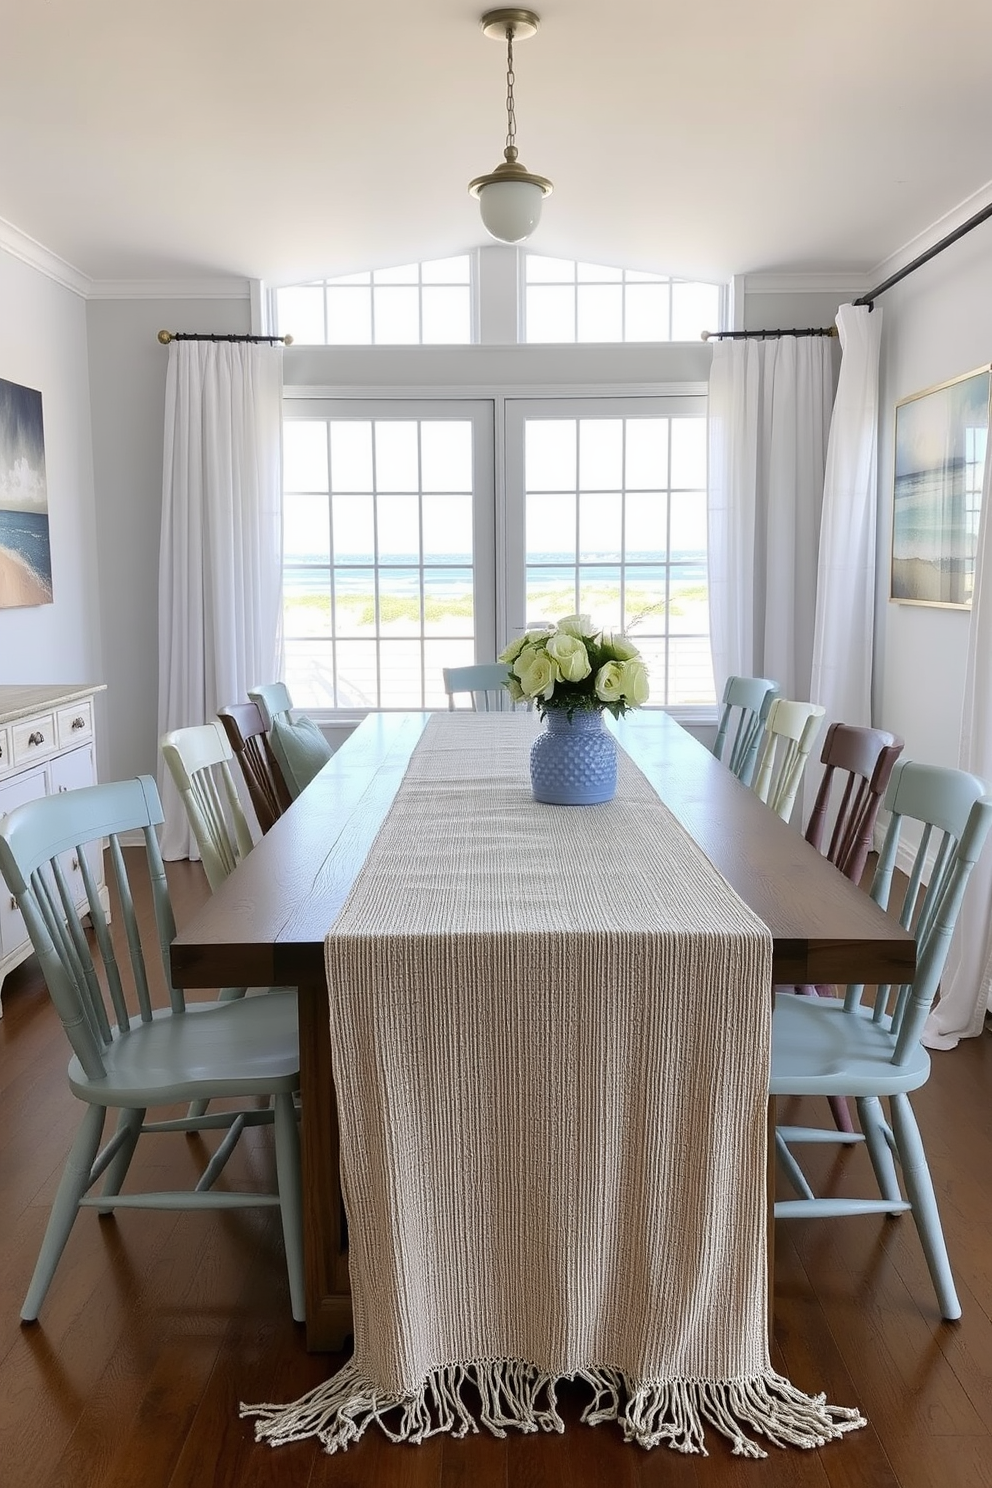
<point x="574" y="761"/>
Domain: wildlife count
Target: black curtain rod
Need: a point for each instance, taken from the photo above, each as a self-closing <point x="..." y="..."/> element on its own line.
<point x="959" y="232"/>
<point x="766" y="335"/>
<point x="166" y="336"/>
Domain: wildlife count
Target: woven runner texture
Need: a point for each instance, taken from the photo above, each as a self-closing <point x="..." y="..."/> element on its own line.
<point x="550" y="1030"/>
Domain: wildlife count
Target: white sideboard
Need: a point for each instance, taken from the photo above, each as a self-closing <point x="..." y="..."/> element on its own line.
<point x="47" y="745"/>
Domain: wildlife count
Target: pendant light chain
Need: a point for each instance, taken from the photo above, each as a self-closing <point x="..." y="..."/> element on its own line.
<point x="511" y="117"/>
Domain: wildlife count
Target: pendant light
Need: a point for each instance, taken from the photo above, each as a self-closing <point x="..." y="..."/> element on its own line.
<point x="510" y="197"/>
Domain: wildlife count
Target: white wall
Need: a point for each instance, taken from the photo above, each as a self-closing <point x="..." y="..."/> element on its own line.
<point x="936" y="324"/>
<point x="43" y="346"/>
<point x="127" y="367"/>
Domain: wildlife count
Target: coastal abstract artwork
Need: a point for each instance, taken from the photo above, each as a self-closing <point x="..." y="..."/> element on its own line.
<point x="941" y="440"/>
<point x="25" y="550"/>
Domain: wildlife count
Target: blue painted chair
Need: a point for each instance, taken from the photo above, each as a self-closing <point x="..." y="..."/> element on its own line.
<point x="870" y="1049"/>
<point x="743" y="711"/>
<point x="483" y="685"/>
<point x="129" y="1054"/>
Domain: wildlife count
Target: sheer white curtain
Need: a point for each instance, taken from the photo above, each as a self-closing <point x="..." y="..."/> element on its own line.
<point x="769" y="416"/>
<point x="967" y="979"/>
<point x="845" y="584"/>
<point x="220" y="562"/>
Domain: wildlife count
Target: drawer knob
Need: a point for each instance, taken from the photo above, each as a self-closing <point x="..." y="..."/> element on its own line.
<point x="79" y="722"/>
<point x="36" y="738"/>
<point x="13" y="902"/>
<point x="75" y="865"/>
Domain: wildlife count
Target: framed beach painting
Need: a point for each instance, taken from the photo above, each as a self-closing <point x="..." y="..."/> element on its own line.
<point x="25" y="550"/>
<point x="941" y="438"/>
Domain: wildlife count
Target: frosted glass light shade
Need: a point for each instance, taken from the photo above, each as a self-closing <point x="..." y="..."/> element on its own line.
<point x="511" y="209"/>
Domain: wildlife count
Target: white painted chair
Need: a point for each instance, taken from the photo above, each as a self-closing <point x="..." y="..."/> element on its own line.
<point x="790" y="731"/>
<point x="482" y="684"/>
<point x="871" y="1050"/>
<point x="129" y="1054"/>
<point x="199" y="761"/>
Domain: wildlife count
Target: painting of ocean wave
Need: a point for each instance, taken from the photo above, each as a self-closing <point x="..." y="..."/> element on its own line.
<point x="25" y="545"/>
<point x="941" y="443"/>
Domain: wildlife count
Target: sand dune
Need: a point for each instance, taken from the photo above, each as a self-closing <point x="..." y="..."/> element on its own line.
<point x="19" y="584"/>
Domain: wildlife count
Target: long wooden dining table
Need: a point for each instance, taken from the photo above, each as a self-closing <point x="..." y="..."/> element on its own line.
<point x="267" y="923"/>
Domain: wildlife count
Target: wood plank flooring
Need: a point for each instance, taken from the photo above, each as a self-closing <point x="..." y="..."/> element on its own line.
<point x="157" y="1325"/>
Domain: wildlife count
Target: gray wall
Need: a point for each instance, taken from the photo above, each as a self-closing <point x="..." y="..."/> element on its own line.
<point x="127" y="367"/>
<point x="936" y="325"/>
<point x="43" y="346"/>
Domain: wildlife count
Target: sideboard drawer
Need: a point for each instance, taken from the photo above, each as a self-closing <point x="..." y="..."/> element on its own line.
<point x="34" y="739"/>
<point x="75" y="724"/>
<point x="5" y="760"/>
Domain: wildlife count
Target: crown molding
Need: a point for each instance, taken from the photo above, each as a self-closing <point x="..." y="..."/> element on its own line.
<point x="36" y="256"/>
<point x="824" y="281"/>
<point x="949" y="223"/>
<point x="169" y="289"/>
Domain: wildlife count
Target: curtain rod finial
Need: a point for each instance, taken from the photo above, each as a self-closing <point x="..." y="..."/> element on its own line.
<point x="165" y="337"/>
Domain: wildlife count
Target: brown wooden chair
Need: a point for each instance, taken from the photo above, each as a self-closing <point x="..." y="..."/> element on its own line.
<point x="858" y="762"/>
<point x="267" y="789"/>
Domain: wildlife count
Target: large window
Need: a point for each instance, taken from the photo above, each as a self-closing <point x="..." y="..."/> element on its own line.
<point x="386" y="510"/>
<point x="489" y="486"/>
<point x="392" y="569"/>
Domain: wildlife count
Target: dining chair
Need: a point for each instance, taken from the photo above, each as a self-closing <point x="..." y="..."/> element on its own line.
<point x="858" y="763"/>
<point x="790" y="730"/>
<point x="483" y="684"/>
<point x="136" y="1043"/>
<point x="869" y="1048"/>
<point x="297" y="743"/>
<point x="743" y="711"/>
<point x="267" y="790"/>
<point x="199" y="760"/>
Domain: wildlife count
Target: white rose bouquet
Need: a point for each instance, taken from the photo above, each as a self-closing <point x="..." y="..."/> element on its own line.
<point x="576" y="667"/>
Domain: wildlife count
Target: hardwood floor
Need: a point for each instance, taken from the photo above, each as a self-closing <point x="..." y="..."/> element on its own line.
<point x="158" y="1324"/>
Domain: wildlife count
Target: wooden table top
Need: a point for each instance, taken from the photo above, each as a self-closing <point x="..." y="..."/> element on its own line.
<point x="267" y="923"/>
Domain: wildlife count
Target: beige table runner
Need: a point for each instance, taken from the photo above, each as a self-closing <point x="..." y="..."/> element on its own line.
<point x="550" y="1030"/>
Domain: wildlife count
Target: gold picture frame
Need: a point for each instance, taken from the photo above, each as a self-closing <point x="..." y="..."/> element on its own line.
<point x="941" y="445"/>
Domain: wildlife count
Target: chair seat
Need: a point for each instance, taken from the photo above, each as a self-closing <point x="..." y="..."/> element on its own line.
<point x="817" y="1049"/>
<point x="215" y="1049"/>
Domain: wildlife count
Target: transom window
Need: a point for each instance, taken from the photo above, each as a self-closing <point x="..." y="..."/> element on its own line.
<point x="569" y="301"/>
<point x="415" y="304"/>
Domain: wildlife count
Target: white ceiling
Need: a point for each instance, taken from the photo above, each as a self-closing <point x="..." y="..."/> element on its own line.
<point x="282" y="139"/>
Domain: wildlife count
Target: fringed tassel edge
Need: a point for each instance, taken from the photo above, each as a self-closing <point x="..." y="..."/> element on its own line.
<point x="522" y="1396"/>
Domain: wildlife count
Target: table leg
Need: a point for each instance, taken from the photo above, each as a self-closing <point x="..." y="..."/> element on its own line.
<point x="325" y="1253"/>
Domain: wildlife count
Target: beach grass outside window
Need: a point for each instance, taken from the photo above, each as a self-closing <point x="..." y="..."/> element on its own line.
<point x="416" y="304"/>
<point x="384" y="514"/>
<point x="565" y="300"/>
<point x="612" y="523"/>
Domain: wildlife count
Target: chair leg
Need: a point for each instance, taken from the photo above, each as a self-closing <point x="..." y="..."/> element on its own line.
<point x="919" y="1189"/>
<point x="873" y="1125"/>
<point x="73" y="1184"/>
<point x="841" y="1112"/>
<point x="288" y="1177"/>
<point x="117" y="1171"/>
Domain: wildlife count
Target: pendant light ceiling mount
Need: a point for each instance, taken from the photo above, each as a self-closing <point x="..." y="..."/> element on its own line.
<point x="510" y="197"/>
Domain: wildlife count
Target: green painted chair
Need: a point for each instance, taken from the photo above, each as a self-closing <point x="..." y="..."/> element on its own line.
<point x="870" y="1049"/>
<point x="135" y="1048"/>
<point x="298" y="745"/>
<point x="743" y="710"/>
